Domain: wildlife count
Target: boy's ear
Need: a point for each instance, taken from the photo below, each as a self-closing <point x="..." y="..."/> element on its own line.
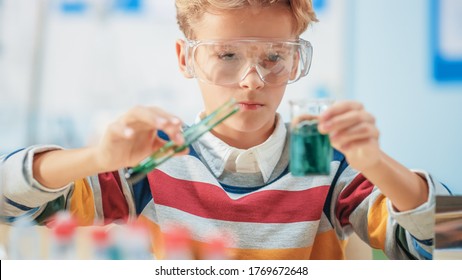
<point x="181" y="55"/>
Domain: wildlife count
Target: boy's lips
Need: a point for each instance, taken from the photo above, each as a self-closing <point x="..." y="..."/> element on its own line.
<point x="250" y="105"/>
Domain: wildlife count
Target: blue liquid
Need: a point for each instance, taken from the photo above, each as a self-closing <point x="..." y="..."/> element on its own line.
<point x="310" y="151"/>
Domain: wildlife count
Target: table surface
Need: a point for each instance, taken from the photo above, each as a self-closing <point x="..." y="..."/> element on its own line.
<point x="356" y="248"/>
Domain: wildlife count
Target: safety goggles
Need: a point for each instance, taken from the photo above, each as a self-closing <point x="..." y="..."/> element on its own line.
<point x="228" y="62"/>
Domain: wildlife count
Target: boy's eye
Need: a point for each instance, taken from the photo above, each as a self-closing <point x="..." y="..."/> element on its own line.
<point x="226" y="56"/>
<point x="273" y="57"/>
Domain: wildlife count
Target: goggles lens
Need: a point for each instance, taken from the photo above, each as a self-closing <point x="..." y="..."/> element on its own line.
<point x="229" y="62"/>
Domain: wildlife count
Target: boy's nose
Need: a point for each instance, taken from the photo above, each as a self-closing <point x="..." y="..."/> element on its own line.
<point x="252" y="79"/>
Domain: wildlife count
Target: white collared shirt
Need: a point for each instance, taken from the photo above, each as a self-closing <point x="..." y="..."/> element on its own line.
<point x="261" y="158"/>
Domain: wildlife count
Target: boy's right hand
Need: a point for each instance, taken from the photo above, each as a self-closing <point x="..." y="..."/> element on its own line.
<point x="133" y="137"/>
<point x="125" y="143"/>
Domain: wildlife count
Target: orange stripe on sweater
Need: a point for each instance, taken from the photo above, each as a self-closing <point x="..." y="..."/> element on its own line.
<point x="377" y="223"/>
<point x="156" y="237"/>
<point x="272" y="254"/>
<point x="326" y="246"/>
<point x="82" y="203"/>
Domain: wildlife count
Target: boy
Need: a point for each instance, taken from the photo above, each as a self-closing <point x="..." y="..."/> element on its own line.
<point x="235" y="178"/>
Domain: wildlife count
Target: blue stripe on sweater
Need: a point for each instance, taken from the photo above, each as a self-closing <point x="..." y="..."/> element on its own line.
<point x="427" y="242"/>
<point x="447" y="188"/>
<point x="12" y="219"/>
<point x="343" y="165"/>
<point x="19" y="206"/>
<point x="141" y="194"/>
<point x="9" y="155"/>
<point x="244" y="190"/>
<point x="28" y="215"/>
<point x="426" y="255"/>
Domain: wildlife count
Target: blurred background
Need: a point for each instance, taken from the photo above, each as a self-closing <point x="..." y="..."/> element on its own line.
<point x="68" y="67"/>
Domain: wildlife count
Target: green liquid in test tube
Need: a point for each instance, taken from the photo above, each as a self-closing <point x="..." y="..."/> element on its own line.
<point x="310" y="152"/>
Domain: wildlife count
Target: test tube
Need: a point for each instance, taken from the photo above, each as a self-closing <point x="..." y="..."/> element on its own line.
<point x="310" y="151"/>
<point x="190" y="135"/>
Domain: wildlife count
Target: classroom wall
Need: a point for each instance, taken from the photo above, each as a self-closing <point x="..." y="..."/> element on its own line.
<point x="65" y="73"/>
<point x="391" y="72"/>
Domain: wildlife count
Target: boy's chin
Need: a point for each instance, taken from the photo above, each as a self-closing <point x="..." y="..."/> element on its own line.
<point x="250" y="125"/>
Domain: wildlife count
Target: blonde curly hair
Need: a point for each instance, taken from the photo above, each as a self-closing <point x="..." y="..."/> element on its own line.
<point x="190" y="11"/>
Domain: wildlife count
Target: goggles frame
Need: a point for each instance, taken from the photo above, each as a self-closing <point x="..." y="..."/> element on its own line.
<point x="305" y="50"/>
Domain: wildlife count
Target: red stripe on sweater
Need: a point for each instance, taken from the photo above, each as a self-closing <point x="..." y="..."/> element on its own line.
<point x="211" y="201"/>
<point x="351" y="197"/>
<point x="115" y="206"/>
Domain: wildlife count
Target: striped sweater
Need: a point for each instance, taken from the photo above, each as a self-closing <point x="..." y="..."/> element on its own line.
<point x="286" y="218"/>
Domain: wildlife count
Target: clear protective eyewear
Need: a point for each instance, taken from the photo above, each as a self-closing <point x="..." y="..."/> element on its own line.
<point x="228" y="62"/>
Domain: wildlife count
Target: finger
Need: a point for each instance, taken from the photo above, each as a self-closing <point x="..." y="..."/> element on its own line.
<point x="159" y="143"/>
<point x="120" y="131"/>
<point x="345" y="120"/>
<point x="340" y="108"/>
<point x="358" y="146"/>
<point x="151" y="117"/>
<point x="173" y="128"/>
<point x="154" y="118"/>
<point x="185" y="151"/>
<point x="352" y="134"/>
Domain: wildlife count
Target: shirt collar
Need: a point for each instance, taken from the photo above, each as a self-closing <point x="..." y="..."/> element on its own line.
<point x="261" y="158"/>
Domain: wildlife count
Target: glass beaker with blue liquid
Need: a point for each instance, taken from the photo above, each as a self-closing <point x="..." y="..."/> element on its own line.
<point x="310" y="151"/>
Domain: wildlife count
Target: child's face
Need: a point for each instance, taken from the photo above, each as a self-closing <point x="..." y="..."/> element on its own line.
<point x="258" y="100"/>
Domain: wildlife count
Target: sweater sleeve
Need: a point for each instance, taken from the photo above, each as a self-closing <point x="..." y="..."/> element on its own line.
<point x="22" y="194"/>
<point x="359" y="206"/>
<point x="102" y="198"/>
<point x="418" y="236"/>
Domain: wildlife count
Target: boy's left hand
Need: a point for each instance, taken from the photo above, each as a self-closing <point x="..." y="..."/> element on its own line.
<point x="352" y="131"/>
